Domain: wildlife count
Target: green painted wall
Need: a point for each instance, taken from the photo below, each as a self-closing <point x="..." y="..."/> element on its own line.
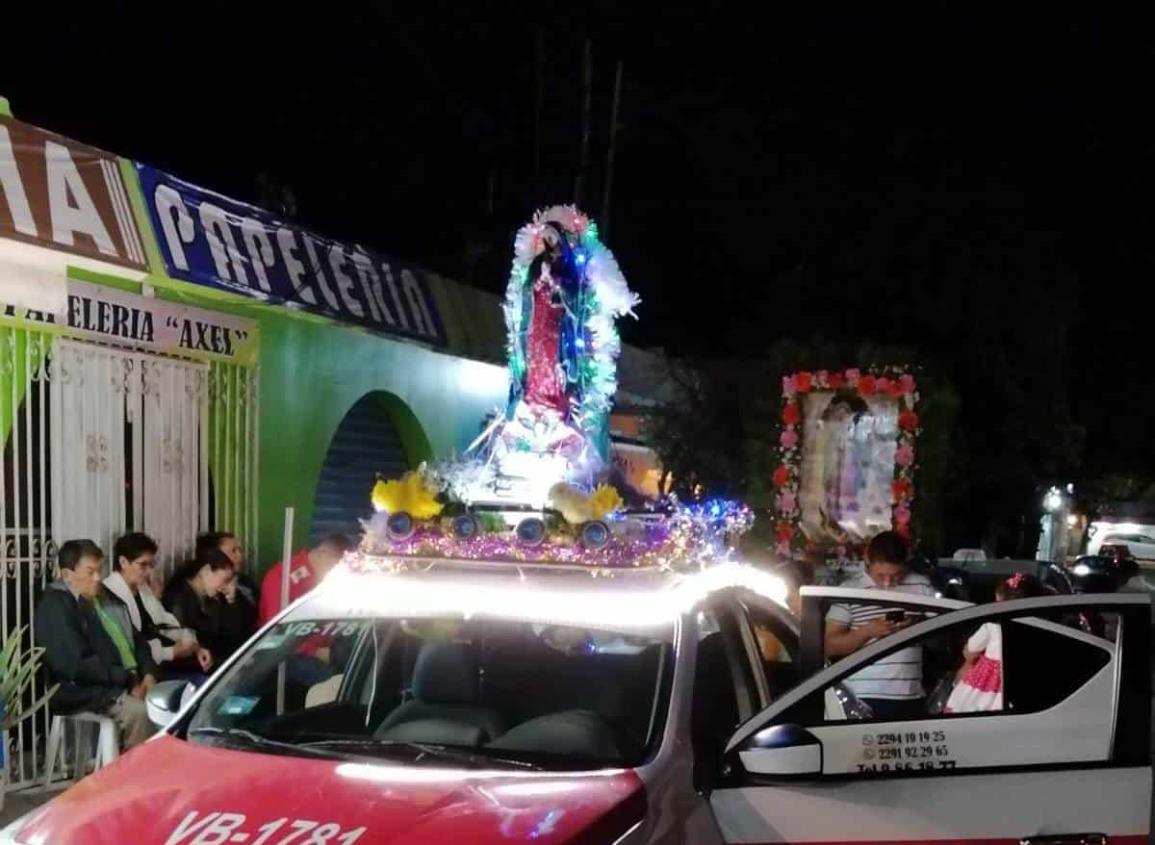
<point x="313" y="370"/>
<point x="311" y="375"/>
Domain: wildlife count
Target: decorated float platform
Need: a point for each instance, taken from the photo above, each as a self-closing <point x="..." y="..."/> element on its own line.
<point x="537" y="489"/>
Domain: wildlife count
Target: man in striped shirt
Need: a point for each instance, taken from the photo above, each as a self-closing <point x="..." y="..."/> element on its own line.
<point x="891" y="686"/>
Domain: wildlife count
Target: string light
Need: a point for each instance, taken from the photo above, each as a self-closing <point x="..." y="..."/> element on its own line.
<point x="464" y="595"/>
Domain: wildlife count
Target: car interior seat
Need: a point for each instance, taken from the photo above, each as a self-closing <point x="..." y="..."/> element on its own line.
<point x="445" y="707"/>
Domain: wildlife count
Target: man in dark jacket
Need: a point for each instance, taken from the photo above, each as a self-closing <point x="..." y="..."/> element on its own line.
<point x="99" y="667"/>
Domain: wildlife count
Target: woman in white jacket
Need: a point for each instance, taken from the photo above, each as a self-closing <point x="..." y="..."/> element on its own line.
<point x="175" y="649"/>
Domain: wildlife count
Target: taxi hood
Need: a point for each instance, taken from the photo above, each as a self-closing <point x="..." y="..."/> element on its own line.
<point x="171" y="792"/>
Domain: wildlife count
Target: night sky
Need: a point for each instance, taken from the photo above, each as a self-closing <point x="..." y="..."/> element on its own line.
<point x="945" y="176"/>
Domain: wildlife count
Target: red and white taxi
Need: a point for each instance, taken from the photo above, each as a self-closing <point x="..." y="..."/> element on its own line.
<point x="502" y="704"/>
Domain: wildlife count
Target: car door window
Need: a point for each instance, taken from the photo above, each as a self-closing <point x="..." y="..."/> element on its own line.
<point x="1037" y="680"/>
<point x="724" y="688"/>
<point x="1075" y="711"/>
<point x="901" y="679"/>
<point x="777" y="646"/>
<point x="1023" y="665"/>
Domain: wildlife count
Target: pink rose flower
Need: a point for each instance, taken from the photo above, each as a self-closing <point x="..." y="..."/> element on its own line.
<point x="789" y="438"/>
<point x="789" y="388"/>
<point x="852" y="377"/>
<point x="902" y="515"/>
<point x="904" y="455"/>
<point x="787" y="503"/>
<point x="907" y="383"/>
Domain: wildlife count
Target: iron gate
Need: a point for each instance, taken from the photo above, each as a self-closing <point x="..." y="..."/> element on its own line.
<point x="35" y="367"/>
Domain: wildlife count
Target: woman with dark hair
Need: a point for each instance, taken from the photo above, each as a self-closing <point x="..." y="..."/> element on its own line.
<point x="192" y="597"/>
<point x="238" y="600"/>
<point x="231" y="545"/>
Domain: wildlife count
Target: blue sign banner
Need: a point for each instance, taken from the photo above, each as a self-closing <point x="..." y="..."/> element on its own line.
<point x="211" y="240"/>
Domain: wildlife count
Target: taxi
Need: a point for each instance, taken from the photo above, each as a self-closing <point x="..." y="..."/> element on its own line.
<point x="496" y="703"/>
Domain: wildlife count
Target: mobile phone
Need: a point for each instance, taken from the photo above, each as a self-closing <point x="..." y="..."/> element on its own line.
<point x="896" y="616"/>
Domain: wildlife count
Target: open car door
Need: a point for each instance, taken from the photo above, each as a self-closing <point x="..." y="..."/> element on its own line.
<point x="1063" y="759"/>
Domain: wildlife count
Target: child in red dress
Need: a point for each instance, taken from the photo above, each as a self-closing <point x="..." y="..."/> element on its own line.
<point x="979" y="687"/>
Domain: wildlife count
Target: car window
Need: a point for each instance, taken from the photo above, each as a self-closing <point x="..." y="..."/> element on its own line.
<point x="724" y="690"/>
<point x="1019" y="665"/>
<point x="777" y="648"/>
<point x="555" y="697"/>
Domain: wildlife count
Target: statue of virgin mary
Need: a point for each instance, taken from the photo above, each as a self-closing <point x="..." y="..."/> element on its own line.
<point x="564" y="297"/>
<point x="550" y="335"/>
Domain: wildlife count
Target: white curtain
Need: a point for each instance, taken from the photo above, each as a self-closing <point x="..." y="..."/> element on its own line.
<point x="126" y="421"/>
<point x="89" y="388"/>
<point x="173" y="412"/>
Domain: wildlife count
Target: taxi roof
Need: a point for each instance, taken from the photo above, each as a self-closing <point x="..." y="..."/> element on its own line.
<point x="633" y="599"/>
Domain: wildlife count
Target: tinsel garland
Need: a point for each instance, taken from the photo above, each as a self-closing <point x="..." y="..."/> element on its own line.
<point x="682" y="537"/>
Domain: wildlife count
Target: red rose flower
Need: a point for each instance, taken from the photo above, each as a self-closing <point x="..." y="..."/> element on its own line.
<point x="894" y="388"/>
<point x="791" y="414"/>
<point x="883" y="385"/>
<point x="867" y="385"/>
<point x="908" y="420"/>
<point x="837" y="381"/>
<point x="785" y="532"/>
<point x="781" y="476"/>
<point x="804" y="381"/>
<point x="903" y="530"/>
<point x="902" y="490"/>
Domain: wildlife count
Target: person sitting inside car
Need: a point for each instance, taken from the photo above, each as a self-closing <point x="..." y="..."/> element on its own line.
<point x="100" y="668"/>
<point x="794" y="575"/>
<point x="891" y="686"/>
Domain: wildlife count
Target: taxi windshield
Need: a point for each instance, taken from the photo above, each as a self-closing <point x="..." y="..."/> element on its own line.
<point x="441" y="691"/>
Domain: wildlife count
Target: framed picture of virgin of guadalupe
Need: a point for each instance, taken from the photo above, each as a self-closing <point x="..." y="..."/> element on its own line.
<point x="848" y="446"/>
<point x="847" y="450"/>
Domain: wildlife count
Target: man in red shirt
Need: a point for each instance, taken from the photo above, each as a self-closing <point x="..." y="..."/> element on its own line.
<point x="307" y="568"/>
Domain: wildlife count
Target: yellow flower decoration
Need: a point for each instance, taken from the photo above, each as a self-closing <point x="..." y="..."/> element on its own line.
<point x="411" y="495"/>
<point x="604" y="501"/>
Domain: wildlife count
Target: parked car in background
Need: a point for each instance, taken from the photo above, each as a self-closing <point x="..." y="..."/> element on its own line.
<point x="1140" y="546"/>
<point x="1140" y="541"/>
<point x="974" y="579"/>
<point x="1101" y="573"/>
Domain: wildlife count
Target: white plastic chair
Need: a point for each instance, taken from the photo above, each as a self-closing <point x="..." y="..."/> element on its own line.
<point x="107" y="743"/>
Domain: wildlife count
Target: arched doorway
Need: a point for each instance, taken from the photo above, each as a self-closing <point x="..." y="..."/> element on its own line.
<point x="379" y="436"/>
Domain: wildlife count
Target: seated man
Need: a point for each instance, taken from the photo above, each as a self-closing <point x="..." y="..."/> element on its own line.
<point x="174" y="648"/>
<point x="86" y="650"/>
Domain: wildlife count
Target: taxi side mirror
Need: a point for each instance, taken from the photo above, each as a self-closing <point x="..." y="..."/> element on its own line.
<point x="163" y="702"/>
<point x="782" y="751"/>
